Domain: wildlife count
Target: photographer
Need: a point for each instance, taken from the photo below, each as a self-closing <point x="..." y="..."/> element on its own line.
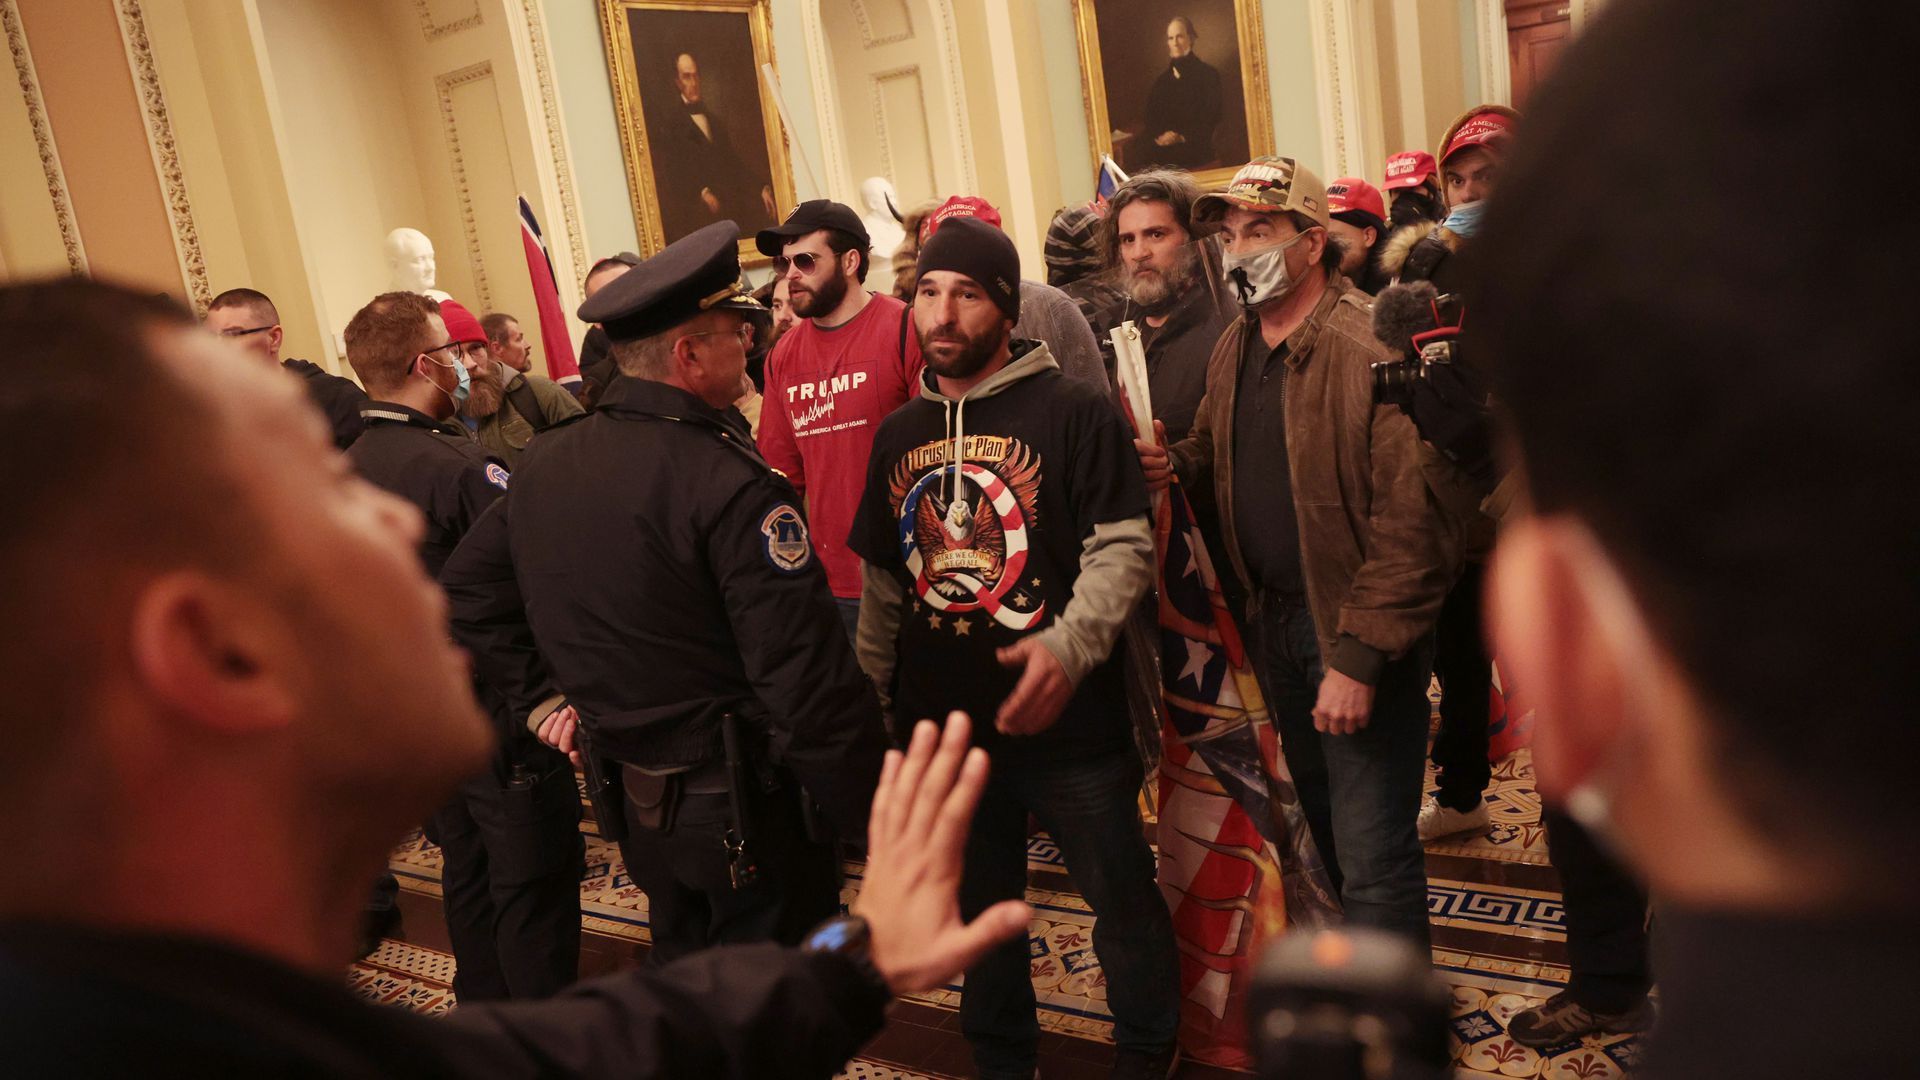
<point x="1440" y="383"/>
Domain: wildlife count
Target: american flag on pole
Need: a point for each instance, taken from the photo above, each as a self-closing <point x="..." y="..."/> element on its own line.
<point x="1237" y="864"/>
<point x="1107" y="180"/>
<point x="562" y="366"/>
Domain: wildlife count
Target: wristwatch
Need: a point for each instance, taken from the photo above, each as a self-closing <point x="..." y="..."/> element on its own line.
<point x="848" y="937"/>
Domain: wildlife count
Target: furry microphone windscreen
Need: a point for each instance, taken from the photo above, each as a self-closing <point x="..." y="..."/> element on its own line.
<point x="1401" y="311"/>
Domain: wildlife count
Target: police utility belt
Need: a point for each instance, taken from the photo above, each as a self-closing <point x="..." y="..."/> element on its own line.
<point x="743" y="774"/>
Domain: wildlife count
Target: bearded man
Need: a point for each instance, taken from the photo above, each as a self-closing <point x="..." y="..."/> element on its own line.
<point x="1005" y="540"/>
<point x="1149" y="236"/>
<point x="507" y="407"/>
<point x="846" y="362"/>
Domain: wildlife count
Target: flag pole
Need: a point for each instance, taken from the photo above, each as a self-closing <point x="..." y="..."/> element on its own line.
<point x="786" y="120"/>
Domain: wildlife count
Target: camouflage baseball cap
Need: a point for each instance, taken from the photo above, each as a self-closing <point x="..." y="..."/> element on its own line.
<point x="1270" y="185"/>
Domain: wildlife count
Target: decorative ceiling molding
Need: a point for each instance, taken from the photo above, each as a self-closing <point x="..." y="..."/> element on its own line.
<point x="1342" y="135"/>
<point x="882" y="129"/>
<point x="43" y="137"/>
<point x="433" y="31"/>
<point x="867" y="38"/>
<point x="837" y="183"/>
<point x="949" y="37"/>
<point x="449" y="123"/>
<point x="1490" y="34"/>
<point x="556" y="140"/>
<point x="166" y="154"/>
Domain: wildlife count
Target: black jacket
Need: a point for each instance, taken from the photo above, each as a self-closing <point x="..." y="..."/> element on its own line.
<point x="433" y="464"/>
<point x="341" y="399"/>
<point x="84" y="1002"/>
<point x="711" y="603"/>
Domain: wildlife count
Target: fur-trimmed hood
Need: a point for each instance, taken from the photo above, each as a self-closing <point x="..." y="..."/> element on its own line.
<point x="1393" y="253"/>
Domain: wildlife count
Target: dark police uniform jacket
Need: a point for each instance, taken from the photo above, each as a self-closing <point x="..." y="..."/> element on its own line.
<point x="433" y="464"/>
<point x="711" y="603"/>
<point x="437" y="466"/>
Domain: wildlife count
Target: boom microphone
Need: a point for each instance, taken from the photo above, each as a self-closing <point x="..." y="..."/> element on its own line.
<point x="1401" y="311"/>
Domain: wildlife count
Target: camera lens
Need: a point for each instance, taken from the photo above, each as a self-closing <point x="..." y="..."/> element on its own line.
<point x="1393" y="381"/>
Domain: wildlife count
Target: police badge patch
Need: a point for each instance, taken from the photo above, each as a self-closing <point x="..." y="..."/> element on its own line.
<point x="496" y="475"/>
<point x="788" y="549"/>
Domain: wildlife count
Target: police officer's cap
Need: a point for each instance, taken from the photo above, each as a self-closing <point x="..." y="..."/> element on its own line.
<point x="698" y="272"/>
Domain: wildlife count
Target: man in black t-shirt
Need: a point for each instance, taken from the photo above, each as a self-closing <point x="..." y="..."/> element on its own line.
<point x="1005" y="538"/>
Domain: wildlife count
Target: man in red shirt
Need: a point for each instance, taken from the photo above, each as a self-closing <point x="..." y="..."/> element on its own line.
<point x="846" y="364"/>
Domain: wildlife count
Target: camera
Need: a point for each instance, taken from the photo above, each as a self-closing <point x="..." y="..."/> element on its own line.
<point x="1393" y="380"/>
<point x="1348" y="1004"/>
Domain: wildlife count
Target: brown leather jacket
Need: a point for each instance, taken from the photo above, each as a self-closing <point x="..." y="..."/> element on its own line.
<point x="1377" y="550"/>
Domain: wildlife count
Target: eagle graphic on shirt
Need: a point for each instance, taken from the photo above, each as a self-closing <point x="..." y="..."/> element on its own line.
<point x="965" y="527"/>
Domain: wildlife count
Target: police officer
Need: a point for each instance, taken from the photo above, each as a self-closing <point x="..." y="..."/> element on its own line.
<point x="510" y="837"/>
<point x="705" y="668"/>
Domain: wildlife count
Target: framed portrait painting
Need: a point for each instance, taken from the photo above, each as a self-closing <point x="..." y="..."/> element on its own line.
<point x="1175" y="83"/>
<point x="700" y="131"/>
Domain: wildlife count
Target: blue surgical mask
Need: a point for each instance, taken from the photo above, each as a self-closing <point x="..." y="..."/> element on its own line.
<point x="1464" y="220"/>
<point x="462" y="388"/>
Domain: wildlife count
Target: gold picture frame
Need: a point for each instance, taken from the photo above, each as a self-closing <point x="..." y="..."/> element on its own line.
<point x="657" y="129"/>
<point x="1254" y="99"/>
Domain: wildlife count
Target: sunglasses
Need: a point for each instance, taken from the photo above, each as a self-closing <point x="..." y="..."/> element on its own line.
<point x="806" y="261"/>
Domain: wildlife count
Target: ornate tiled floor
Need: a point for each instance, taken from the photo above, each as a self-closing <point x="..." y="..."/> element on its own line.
<point x="1499" y="944"/>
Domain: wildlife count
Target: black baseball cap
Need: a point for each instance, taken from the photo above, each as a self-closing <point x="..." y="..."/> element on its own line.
<point x="812" y="216"/>
<point x="698" y="272"/>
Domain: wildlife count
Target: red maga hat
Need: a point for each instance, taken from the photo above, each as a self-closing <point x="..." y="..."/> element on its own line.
<point x="1352" y="195"/>
<point x="1409" y="168"/>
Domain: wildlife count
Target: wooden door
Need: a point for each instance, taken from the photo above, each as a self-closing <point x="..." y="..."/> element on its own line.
<point x="1537" y="32"/>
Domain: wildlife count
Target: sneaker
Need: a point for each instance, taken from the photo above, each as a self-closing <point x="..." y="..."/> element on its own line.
<point x="1560" y="1020"/>
<point x="1135" y="1065"/>
<point x="1438" y="821"/>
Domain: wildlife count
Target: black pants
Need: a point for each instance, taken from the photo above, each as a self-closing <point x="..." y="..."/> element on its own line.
<point x="1606" y="919"/>
<point x="1090" y="806"/>
<point x="513" y="858"/>
<point x="691" y="901"/>
<point x="1466" y="690"/>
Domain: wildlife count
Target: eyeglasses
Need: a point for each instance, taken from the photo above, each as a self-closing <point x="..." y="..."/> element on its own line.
<point x="440" y="348"/>
<point x="243" y="333"/>
<point x="806" y="261"/>
<point x="744" y="332"/>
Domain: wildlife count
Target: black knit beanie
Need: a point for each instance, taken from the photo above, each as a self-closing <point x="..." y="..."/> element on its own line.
<point x="982" y="252"/>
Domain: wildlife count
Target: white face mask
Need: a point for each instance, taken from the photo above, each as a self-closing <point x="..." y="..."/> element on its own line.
<point x="1259" y="276"/>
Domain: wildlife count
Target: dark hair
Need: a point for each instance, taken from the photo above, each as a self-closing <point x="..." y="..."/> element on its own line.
<point x="625" y="258"/>
<point x="85" y="511"/>
<point x="839" y="241"/>
<point x="494" y="325"/>
<point x="1171" y="186"/>
<point x="384" y="337"/>
<point x="251" y="299"/>
<point x="1752" y="479"/>
<point x="1330" y="251"/>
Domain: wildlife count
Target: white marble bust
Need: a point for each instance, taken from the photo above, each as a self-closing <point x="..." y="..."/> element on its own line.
<point x="878" y="204"/>
<point x="410" y="263"/>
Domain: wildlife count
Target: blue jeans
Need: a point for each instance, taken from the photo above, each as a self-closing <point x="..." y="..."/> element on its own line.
<point x="849" y="616"/>
<point x="1090" y="808"/>
<point x="1360" y="792"/>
